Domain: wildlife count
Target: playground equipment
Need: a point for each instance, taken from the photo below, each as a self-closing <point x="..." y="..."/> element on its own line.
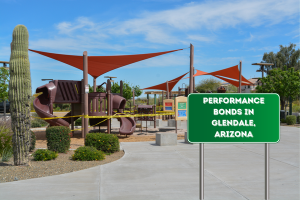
<point x="146" y="109"/>
<point x="99" y="104"/>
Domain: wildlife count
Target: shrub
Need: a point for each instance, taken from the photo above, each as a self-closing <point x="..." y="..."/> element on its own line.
<point x="5" y="135"/>
<point x="283" y="120"/>
<point x="88" y="153"/>
<point x="78" y="122"/>
<point x="107" y="143"/>
<point x="290" y="119"/>
<point x="58" y="138"/>
<point x="44" y="154"/>
<point x="35" y="124"/>
<point x="7" y="153"/>
<point x="32" y="141"/>
<point x="57" y="109"/>
<point x="298" y="119"/>
<point x="37" y="121"/>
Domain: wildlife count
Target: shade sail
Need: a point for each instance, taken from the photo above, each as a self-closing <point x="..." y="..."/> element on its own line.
<point x="224" y="74"/>
<point x="163" y="86"/>
<point x="98" y="65"/>
<point x="231" y="72"/>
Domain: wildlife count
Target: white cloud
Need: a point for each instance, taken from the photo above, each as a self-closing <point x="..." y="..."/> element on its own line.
<point x="172" y="26"/>
<point x="250" y="38"/>
<point x="200" y="38"/>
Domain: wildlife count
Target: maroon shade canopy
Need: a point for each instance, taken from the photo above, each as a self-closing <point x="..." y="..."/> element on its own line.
<point x="98" y="65"/>
<point x="163" y="86"/>
<point x="224" y="74"/>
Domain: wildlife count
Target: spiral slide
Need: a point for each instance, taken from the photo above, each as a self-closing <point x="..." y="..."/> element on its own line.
<point x="42" y="108"/>
<point x="127" y="123"/>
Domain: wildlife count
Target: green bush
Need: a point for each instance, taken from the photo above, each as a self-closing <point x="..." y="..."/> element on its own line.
<point x="37" y="122"/>
<point x="58" y="138"/>
<point x="57" y="109"/>
<point x="7" y="153"/>
<point x="78" y="122"/>
<point x="298" y="119"/>
<point x="5" y="135"/>
<point x="32" y="141"/>
<point x="107" y="143"/>
<point x="290" y="119"/>
<point x="88" y="153"/>
<point x="44" y="154"/>
<point x="283" y="120"/>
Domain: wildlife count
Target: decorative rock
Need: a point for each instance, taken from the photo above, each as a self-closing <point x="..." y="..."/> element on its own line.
<point x="166" y="139"/>
<point x="16" y="179"/>
<point x="171" y="123"/>
<point x="158" y="122"/>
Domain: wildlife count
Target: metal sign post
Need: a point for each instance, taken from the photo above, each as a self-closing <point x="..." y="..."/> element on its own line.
<point x="266" y="171"/>
<point x="233" y="118"/>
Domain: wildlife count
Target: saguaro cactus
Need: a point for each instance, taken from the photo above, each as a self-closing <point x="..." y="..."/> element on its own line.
<point x="19" y="94"/>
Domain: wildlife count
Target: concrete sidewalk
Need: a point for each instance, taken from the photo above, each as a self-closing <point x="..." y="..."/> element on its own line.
<point x="147" y="171"/>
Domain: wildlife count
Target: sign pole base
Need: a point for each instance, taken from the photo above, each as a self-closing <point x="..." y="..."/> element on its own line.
<point x="267" y="171"/>
<point x="201" y="172"/>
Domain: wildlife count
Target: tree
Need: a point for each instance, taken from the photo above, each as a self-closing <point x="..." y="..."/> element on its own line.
<point x="208" y="84"/>
<point x="4" y="74"/>
<point x="231" y="89"/>
<point x="287" y="56"/>
<point x="284" y="82"/>
<point x="20" y="95"/>
<point x="127" y="90"/>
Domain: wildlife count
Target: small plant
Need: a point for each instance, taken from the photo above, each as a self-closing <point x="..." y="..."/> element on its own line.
<point x="107" y="143"/>
<point x="32" y="141"/>
<point x="57" y="109"/>
<point x="283" y="120"/>
<point x="298" y="119"/>
<point x="88" y="153"/>
<point x="37" y="122"/>
<point x="5" y="135"/>
<point x="58" y="138"/>
<point x="78" y="122"/>
<point x="7" y="153"/>
<point x="290" y="119"/>
<point x="44" y="154"/>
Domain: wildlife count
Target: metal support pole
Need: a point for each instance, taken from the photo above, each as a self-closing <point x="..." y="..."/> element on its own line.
<point x="240" y="83"/>
<point x="201" y="172"/>
<point x="133" y="98"/>
<point x="267" y="166"/>
<point x="175" y="126"/>
<point x="86" y="95"/>
<point x="154" y="116"/>
<point x="108" y="110"/>
<point x="82" y="108"/>
<point x="72" y="119"/>
<point x="168" y="95"/>
<point x="191" y="68"/>
<point x="147" y="99"/>
<point x="121" y="88"/>
<point x="154" y="99"/>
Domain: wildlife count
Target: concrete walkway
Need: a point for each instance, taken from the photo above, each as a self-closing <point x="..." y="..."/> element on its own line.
<point x="147" y="171"/>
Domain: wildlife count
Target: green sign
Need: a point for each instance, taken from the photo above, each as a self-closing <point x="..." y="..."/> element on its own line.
<point x="233" y="118"/>
<point x="181" y="105"/>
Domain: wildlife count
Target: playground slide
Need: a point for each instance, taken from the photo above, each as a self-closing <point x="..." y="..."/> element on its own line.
<point x="127" y="123"/>
<point x="43" y="110"/>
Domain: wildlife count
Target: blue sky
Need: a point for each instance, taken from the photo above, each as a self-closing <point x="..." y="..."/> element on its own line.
<point x="222" y="32"/>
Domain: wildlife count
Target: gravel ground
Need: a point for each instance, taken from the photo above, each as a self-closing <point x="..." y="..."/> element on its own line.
<point x="62" y="164"/>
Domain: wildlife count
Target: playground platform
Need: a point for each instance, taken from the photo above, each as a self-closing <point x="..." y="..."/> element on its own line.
<point x="147" y="171"/>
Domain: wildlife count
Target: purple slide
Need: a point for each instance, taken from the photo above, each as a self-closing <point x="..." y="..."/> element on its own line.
<point x="42" y="108"/>
<point x="127" y="123"/>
